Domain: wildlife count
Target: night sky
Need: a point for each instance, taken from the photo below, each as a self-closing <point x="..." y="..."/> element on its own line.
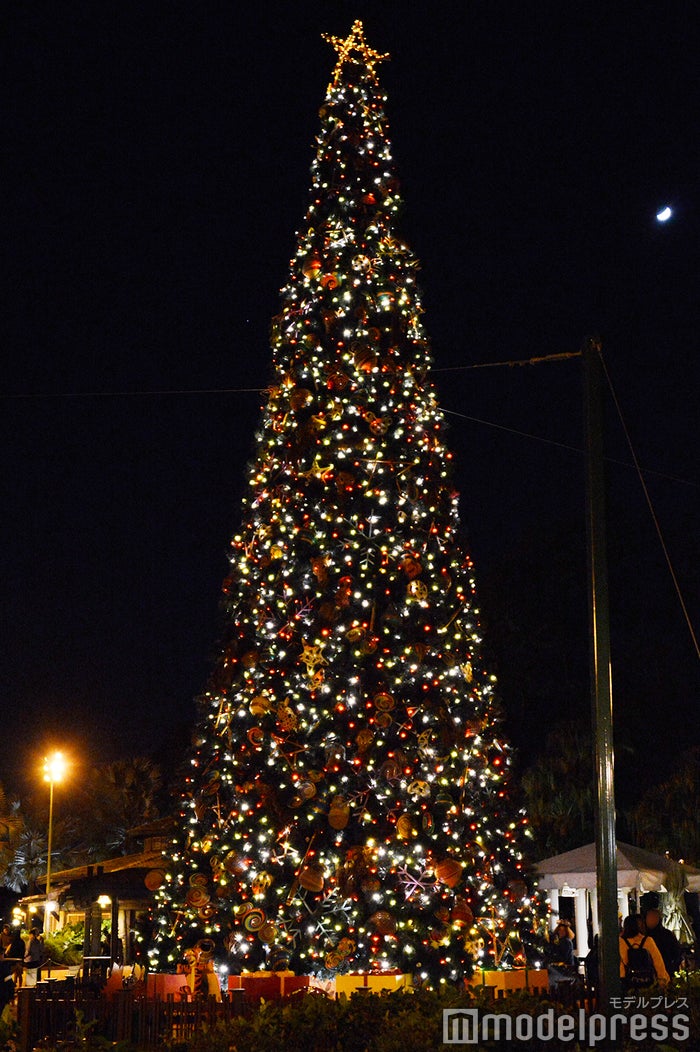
<point x="158" y="170"/>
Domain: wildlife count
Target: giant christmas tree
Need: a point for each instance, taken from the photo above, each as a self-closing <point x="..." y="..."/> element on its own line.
<point x="346" y="805"/>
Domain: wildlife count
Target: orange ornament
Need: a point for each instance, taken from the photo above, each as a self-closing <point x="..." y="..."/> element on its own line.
<point x="300" y="398"/>
<point x="383" y="922"/>
<point x="411" y="567"/>
<point x="365" y="358"/>
<point x="312" y="877"/>
<point x="312" y="267"/>
<point x="449" y="871"/>
<point x="461" y="915"/>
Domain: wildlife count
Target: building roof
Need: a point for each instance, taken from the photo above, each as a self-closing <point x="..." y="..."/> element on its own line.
<point x="142" y="860"/>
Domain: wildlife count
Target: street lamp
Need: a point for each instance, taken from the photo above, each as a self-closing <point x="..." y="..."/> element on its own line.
<point x="55" y="767"/>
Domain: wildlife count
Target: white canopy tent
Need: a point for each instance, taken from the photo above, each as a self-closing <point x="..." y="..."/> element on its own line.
<point x="573" y="874"/>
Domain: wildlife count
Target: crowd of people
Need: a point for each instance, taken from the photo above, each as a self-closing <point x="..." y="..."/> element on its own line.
<point x="649" y="953"/>
<point x="18" y="958"/>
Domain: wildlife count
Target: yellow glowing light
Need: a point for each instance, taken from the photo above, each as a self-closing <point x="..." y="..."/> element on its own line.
<point x="55" y="767"/>
<point x="354" y="42"/>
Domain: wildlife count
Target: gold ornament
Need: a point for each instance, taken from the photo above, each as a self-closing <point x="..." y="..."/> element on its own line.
<point x="417" y="590"/>
<point x="339" y="813"/>
<point x="287" y="718"/>
<point x="406" y="827"/>
<point x="260" y="705"/>
<point x="364" y="739"/>
<point x="312" y="657"/>
<point x="261" y="882"/>
<point x="317" y="470"/>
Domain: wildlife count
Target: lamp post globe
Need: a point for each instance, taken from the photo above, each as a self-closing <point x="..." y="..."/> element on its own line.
<point x="55" y="767"/>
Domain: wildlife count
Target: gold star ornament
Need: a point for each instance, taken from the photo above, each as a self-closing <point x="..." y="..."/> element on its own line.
<point x="354" y="44"/>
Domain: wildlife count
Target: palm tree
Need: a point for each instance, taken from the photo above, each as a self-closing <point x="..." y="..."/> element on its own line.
<point x="28" y="861"/>
<point x="11" y="825"/>
<point x="118" y="797"/>
<point x="559" y="790"/>
<point x="666" y="818"/>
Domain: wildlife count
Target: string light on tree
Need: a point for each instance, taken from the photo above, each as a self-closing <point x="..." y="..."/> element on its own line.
<point x="346" y="805"/>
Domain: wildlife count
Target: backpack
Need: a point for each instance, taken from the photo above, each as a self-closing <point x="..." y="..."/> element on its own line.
<point x="639" y="970"/>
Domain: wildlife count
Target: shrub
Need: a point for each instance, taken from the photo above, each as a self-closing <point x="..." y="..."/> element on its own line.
<point x="65" y="946"/>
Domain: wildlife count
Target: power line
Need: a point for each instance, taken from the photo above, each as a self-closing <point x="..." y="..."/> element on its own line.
<point x="650" y="505"/>
<point x="174" y="392"/>
<point x="564" y="445"/>
<point x="258" y="390"/>
<point x="519" y="361"/>
<point x="137" y="394"/>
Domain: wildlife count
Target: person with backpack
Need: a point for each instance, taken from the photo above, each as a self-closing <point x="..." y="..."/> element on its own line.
<point x="669" y="946"/>
<point x="641" y="964"/>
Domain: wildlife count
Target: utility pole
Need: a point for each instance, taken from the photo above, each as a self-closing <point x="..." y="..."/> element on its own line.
<point x="601" y="679"/>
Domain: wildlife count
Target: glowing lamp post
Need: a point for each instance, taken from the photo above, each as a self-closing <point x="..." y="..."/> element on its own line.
<point x="55" y="767"/>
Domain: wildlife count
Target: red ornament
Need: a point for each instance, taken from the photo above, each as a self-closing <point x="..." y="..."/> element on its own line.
<point x="256" y="737"/>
